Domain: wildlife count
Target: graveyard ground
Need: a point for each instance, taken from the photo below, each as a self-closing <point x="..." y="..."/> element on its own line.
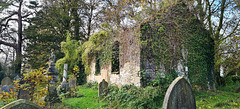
<point x="221" y="99"/>
<point x="88" y="99"/>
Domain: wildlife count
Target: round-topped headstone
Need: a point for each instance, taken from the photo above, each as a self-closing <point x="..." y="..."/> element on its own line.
<point x="6" y="81"/>
<point x="179" y="95"/>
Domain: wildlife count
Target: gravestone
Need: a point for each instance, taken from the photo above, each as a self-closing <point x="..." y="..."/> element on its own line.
<point x="16" y="78"/>
<point x="7" y="88"/>
<point x="102" y="86"/>
<point x="52" y="97"/>
<point x="179" y="95"/>
<point x="6" y="81"/>
<point x="21" y="104"/>
<point x="73" y="82"/>
<point x="65" y="73"/>
<point x="64" y="86"/>
<point x="24" y="92"/>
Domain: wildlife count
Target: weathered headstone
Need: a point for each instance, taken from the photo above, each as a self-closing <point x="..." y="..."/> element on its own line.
<point x="6" y="81"/>
<point x="73" y="82"/>
<point x="7" y="88"/>
<point x="102" y="86"/>
<point x="21" y="104"/>
<point x="24" y="92"/>
<point x="179" y="95"/>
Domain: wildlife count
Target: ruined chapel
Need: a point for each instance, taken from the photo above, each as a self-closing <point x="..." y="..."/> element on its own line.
<point x="171" y="39"/>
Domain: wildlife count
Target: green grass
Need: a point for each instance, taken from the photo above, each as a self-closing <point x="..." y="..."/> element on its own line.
<point x="221" y="99"/>
<point x="217" y="100"/>
<point x="204" y="100"/>
<point x="89" y="100"/>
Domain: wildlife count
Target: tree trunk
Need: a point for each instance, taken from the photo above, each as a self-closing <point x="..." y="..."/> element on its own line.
<point x="19" y="44"/>
<point x="90" y="21"/>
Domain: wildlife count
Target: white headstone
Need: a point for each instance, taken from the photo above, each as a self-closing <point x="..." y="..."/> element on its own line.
<point x="186" y="69"/>
<point x="65" y="73"/>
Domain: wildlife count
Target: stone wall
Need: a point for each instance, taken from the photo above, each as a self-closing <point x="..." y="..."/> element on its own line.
<point x="129" y="63"/>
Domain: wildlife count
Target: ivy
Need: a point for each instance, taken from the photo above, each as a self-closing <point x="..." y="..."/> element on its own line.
<point x="72" y="57"/>
<point x="100" y="43"/>
<point x="168" y="32"/>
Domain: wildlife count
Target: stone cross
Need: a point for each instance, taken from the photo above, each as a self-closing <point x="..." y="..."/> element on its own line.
<point x="179" y="95"/>
<point x="101" y="87"/>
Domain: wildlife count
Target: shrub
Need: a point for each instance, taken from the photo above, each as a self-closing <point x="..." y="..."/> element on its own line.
<point x="129" y="96"/>
<point x="35" y="82"/>
<point x="93" y="85"/>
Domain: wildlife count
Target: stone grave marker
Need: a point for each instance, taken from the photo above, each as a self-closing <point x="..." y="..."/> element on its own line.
<point x="6" y="81"/>
<point x="7" y="88"/>
<point x="73" y="83"/>
<point x="179" y="95"/>
<point x="23" y="93"/>
<point x="52" y="90"/>
<point x="21" y="104"/>
<point x="64" y="86"/>
<point x="101" y="86"/>
<point x="16" y="78"/>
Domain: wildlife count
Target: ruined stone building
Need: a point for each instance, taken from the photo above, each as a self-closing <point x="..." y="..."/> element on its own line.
<point x="171" y="40"/>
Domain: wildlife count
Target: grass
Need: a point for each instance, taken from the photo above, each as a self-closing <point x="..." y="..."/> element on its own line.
<point x="204" y="100"/>
<point x="89" y="100"/>
<point x="217" y="100"/>
<point x="221" y="99"/>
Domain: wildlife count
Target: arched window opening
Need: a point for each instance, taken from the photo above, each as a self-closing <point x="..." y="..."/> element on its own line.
<point x="115" y="58"/>
<point x="97" y="65"/>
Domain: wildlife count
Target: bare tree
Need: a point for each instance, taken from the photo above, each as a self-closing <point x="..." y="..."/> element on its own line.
<point x="221" y="18"/>
<point x="10" y="35"/>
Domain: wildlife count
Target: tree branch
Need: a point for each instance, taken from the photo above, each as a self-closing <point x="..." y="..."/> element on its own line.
<point x="232" y="31"/>
<point x="27" y="15"/>
<point x="221" y="18"/>
<point x="14" y="13"/>
<point x="8" y="21"/>
<point x="1" y="51"/>
<point x="8" y="44"/>
<point x="14" y="5"/>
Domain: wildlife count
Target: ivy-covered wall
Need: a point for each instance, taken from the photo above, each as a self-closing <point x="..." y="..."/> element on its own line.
<point x="173" y="39"/>
<point x="166" y="43"/>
